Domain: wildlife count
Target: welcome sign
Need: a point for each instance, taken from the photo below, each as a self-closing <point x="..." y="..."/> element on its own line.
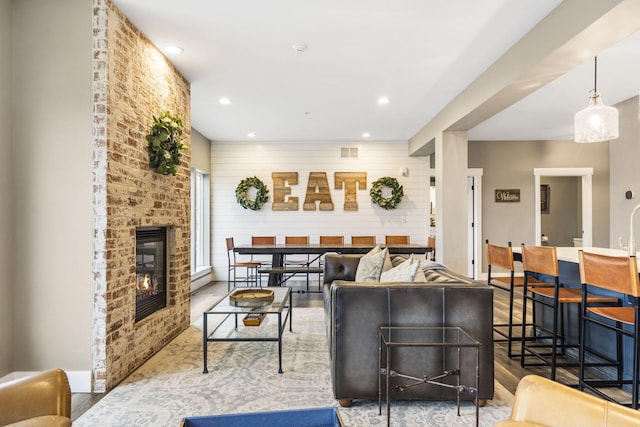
<point x="508" y="196"/>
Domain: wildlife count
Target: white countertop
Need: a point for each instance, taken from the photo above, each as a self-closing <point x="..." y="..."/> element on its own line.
<point x="570" y="254"/>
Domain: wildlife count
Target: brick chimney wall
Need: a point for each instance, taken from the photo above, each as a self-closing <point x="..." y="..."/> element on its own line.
<point x="133" y="81"/>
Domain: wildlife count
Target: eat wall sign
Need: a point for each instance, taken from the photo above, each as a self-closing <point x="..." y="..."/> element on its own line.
<point x="317" y="190"/>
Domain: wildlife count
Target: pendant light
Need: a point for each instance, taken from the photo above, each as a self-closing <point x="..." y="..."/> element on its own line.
<point x="597" y="122"/>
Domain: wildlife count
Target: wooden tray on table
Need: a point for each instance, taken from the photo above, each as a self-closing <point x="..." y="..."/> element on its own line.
<point x="251" y="297"/>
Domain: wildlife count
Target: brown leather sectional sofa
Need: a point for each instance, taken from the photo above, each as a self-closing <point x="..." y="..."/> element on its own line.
<point x="354" y="311"/>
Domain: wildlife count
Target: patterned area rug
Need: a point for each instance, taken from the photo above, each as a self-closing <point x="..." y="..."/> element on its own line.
<point x="243" y="377"/>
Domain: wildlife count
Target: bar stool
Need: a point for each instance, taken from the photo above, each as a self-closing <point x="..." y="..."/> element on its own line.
<point x="620" y="275"/>
<point x="502" y="257"/>
<point x="544" y="260"/>
<point x="251" y="268"/>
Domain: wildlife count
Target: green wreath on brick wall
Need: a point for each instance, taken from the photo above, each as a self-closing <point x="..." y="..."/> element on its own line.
<point x="386" y="202"/>
<point x="261" y="196"/>
<point x="165" y="143"/>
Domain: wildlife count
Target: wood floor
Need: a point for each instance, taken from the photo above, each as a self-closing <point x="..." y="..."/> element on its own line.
<point x="507" y="371"/>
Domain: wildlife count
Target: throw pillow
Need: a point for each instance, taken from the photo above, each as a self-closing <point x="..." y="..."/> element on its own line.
<point x="420" y="277"/>
<point x="404" y="272"/>
<point x="370" y="265"/>
<point x="388" y="265"/>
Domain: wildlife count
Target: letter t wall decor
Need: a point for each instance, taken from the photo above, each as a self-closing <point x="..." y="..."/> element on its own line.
<point x="352" y="181"/>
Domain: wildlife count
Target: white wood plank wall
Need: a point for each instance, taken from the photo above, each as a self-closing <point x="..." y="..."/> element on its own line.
<point x="233" y="161"/>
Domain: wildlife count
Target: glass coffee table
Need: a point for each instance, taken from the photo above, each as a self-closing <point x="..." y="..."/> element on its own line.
<point x="425" y="336"/>
<point x="225" y="326"/>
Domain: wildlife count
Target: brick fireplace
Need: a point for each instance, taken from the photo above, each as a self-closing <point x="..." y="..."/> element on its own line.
<point x="133" y="82"/>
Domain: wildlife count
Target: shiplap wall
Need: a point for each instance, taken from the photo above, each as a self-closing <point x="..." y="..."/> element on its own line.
<point x="233" y="161"/>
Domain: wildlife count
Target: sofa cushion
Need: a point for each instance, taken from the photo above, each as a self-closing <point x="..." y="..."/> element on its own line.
<point x="371" y="264"/>
<point x="405" y="272"/>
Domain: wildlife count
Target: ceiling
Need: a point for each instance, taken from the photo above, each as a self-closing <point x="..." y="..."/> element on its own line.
<point x="419" y="54"/>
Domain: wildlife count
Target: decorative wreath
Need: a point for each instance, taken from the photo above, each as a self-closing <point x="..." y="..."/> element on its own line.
<point x="165" y="143"/>
<point x="396" y="192"/>
<point x="261" y="196"/>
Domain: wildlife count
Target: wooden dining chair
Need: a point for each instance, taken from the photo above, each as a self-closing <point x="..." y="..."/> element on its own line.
<point x="262" y="240"/>
<point x="620" y="275"/>
<point x="250" y="277"/>
<point x="329" y="240"/>
<point x="396" y="240"/>
<point x="302" y="265"/>
<point x="431" y="242"/>
<point x="363" y="240"/>
<point x="332" y="240"/>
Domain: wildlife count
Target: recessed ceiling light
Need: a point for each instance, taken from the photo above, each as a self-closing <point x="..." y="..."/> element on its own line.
<point x="174" y="50"/>
<point x="251" y="135"/>
<point x="299" y="47"/>
<point x="383" y="100"/>
<point x="366" y="135"/>
<point x="224" y="101"/>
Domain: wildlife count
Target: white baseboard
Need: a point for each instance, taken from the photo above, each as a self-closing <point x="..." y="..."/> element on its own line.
<point x="80" y="381"/>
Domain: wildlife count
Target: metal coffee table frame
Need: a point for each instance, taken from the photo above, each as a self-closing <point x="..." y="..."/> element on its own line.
<point x="281" y="306"/>
<point x="419" y="336"/>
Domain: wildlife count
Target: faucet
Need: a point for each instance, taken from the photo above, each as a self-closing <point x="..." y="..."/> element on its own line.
<point x="632" y="240"/>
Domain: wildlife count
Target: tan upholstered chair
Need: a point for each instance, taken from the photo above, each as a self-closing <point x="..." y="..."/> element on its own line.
<point x="541" y="402"/>
<point x="43" y="400"/>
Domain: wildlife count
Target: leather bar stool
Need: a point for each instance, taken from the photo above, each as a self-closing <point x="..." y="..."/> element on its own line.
<point x="544" y="260"/>
<point x="501" y="257"/>
<point x="620" y="275"/>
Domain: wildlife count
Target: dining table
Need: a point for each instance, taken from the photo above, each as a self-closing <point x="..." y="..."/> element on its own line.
<point x="279" y="250"/>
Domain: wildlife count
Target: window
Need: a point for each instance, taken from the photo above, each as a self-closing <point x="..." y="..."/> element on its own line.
<point x="200" y="224"/>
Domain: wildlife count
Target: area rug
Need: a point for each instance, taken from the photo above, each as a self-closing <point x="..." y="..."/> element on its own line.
<point x="243" y="377"/>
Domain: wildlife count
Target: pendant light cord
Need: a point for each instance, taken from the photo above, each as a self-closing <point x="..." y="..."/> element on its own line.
<point x="595" y="74"/>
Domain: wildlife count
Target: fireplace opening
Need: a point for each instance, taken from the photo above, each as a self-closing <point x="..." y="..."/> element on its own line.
<point x="151" y="271"/>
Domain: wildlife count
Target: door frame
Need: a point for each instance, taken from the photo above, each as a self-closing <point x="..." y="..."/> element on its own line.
<point x="474" y="221"/>
<point x="587" y="200"/>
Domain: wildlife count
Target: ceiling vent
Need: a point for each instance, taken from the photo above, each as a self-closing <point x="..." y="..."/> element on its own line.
<point x="349" y="152"/>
